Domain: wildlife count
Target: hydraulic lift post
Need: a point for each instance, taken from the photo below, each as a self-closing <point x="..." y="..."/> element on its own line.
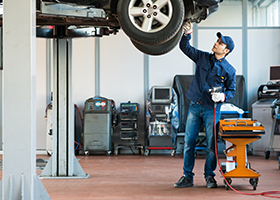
<point x="63" y="163"/>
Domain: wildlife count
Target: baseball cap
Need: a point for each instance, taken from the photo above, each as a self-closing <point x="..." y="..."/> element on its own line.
<point x="227" y="40"/>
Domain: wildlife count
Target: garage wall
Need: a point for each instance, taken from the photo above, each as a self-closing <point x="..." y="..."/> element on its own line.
<point x="84" y="70"/>
<point x="163" y="68"/>
<point x="263" y="51"/>
<point x="123" y="77"/>
<point x="122" y="72"/>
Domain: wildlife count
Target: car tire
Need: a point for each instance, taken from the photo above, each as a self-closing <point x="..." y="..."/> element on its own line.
<point x="159" y="49"/>
<point x="147" y="24"/>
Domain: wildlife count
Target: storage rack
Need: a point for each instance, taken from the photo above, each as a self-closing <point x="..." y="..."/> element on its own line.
<point x="129" y="133"/>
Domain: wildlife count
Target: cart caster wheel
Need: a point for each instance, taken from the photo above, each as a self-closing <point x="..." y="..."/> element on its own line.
<point x="267" y="154"/>
<point x="173" y="153"/>
<point x="142" y="152"/>
<point x="147" y="152"/>
<point x="108" y="153"/>
<point x="227" y="186"/>
<point x="86" y="153"/>
<point x="254" y="182"/>
<point x="116" y="152"/>
<point x="229" y="182"/>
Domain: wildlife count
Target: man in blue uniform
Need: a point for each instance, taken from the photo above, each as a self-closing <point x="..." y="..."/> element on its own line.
<point x="212" y="70"/>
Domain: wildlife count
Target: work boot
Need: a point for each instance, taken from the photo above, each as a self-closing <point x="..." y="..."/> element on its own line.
<point x="184" y="182"/>
<point x="211" y="182"/>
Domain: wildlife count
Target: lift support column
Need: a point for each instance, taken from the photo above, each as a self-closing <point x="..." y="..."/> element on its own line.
<point x="63" y="163"/>
<point x="19" y="180"/>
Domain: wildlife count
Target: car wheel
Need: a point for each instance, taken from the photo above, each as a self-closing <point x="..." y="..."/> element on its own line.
<point x="160" y="48"/>
<point x="150" y="22"/>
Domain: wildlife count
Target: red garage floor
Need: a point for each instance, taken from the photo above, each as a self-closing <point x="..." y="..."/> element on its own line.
<point x="132" y="177"/>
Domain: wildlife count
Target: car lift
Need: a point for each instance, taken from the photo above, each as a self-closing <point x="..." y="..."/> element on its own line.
<point x="63" y="162"/>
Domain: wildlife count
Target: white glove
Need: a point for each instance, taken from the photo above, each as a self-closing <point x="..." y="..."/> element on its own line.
<point x="218" y="97"/>
<point x="187" y="28"/>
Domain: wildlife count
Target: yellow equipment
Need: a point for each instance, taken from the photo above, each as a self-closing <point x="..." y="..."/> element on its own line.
<point x="241" y="132"/>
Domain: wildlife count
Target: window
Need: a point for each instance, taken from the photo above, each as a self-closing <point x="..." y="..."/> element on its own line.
<point x="263" y="13"/>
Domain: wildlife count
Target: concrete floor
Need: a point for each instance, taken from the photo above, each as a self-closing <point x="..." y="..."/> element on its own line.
<point x="128" y="177"/>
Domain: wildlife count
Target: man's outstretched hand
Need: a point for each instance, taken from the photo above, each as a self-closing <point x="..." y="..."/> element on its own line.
<point x="187" y="28"/>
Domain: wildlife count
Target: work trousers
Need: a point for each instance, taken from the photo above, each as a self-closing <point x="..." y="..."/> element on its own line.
<point x="197" y="116"/>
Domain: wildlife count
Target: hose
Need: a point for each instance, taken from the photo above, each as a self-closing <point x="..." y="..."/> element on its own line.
<point x="267" y="194"/>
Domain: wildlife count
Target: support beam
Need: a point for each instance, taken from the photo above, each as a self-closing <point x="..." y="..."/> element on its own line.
<point x="63" y="163"/>
<point x="19" y="180"/>
<point x="245" y="47"/>
<point x="97" y="66"/>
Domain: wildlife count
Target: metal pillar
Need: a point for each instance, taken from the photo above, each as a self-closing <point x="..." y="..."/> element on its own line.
<point x="19" y="180"/>
<point x="97" y="66"/>
<point x="63" y="163"/>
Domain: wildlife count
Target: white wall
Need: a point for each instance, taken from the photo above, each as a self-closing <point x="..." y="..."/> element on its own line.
<point x="162" y="69"/>
<point x="84" y="70"/>
<point x="263" y="51"/>
<point x="121" y="70"/>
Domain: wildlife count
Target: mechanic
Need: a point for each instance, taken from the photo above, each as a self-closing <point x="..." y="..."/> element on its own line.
<point x="212" y="70"/>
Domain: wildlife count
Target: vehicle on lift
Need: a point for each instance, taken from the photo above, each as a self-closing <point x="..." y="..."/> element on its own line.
<point x="153" y="26"/>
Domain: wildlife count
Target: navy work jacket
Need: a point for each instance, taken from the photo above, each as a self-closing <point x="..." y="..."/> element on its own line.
<point x="209" y="73"/>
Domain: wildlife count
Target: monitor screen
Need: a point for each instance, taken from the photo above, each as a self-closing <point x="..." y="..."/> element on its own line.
<point x="274" y="73"/>
<point x="161" y="94"/>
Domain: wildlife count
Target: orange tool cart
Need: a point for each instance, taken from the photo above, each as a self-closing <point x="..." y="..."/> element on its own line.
<point x="240" y="132"/>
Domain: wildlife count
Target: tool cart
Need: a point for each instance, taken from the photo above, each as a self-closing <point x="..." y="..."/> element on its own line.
<point x="129" y="133"/>
<point x="240" y="132"/>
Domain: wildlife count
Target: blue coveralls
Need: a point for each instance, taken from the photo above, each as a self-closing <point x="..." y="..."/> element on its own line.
<point x="209" y="73"/>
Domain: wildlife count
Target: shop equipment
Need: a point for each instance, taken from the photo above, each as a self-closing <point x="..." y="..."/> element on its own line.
<point x="271" y="90"/>
<point x="274" y="144"/>
<point x="266" y="110"/>
<point x="99" y="115"/>
<point x="262" y="110"/>
<point x="129" y="132"/>
<point x="240" y="132"/>
<point x="161" y="118"/>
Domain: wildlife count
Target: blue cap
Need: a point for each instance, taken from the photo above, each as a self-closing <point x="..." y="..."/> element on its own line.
<point x="227" y="40"/>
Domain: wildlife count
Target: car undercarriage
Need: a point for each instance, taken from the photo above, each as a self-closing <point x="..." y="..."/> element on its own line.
<point x="153" y="26"/>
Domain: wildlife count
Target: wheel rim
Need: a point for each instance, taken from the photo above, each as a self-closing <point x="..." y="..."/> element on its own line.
<point x="150" y="16"/>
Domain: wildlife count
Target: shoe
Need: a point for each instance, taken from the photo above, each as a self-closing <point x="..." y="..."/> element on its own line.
<point x="211" y="182"/>
<point x="184" y="182"/>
